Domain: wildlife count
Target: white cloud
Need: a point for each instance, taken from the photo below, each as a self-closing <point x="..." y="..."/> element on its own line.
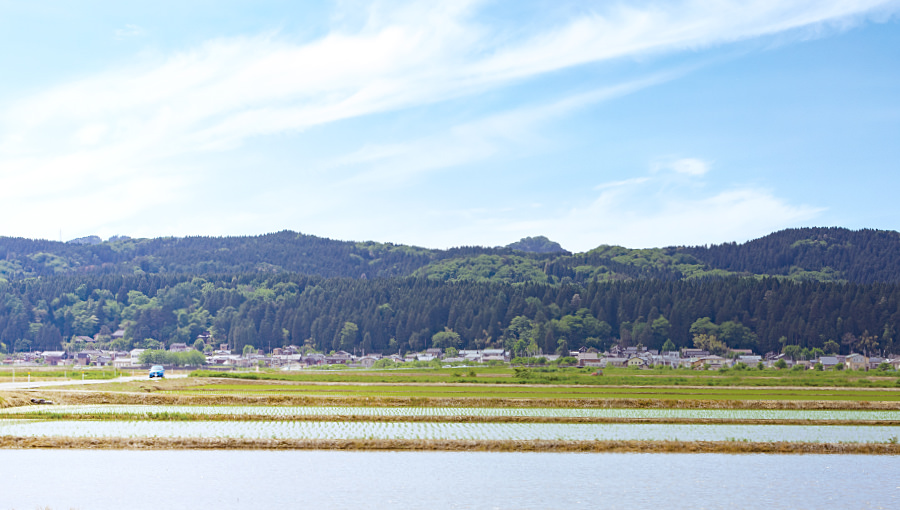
<point x="685" y="166"/>
<point x="676" y="218"/>
<point x="129" y="31"/>
<point x="93" y="136"/>
<point x="619" y="184"/>
<point x="515" y="130"/>
<point x="637" y="213"/>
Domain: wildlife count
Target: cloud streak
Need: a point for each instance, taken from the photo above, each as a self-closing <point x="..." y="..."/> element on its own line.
<point x="143" y="120"/>
<point x="643" y="212"/>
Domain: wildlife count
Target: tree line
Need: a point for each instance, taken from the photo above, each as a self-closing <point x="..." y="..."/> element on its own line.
<point x="819" y="254"/>
<point x="400" y="314"/>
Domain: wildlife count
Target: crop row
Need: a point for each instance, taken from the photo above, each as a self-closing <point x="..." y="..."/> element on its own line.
<point x="306" y="411"/>
<point x="447" y="431"/>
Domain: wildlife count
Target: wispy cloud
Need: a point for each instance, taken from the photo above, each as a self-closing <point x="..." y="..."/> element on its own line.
<point x="514" y="130"/>
<point x="651" y="213"/>
<point x="684" y="166"/>
<point x="638" y="213"/>
<point x="144" y="120"/>
<point x="128" y="31"/>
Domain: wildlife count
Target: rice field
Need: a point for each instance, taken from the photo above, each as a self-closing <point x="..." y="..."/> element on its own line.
<point x="294" y="430"/>
<point x="504" y="412"/>
<point x="542" y="392"/>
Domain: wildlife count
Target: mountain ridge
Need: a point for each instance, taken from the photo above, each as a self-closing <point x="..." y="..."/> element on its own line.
<point x="811" y="253"/>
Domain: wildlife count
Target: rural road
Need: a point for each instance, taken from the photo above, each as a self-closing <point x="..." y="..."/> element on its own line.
<point x="23" y="385"/>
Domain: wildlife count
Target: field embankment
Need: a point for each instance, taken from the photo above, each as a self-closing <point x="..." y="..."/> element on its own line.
<point x="452" y="445"/>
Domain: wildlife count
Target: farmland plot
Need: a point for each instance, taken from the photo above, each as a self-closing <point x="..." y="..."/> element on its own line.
<point x="447" y="431"/>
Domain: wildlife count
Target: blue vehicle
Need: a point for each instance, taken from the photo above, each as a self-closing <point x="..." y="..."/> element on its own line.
<point x="157" y="371"/>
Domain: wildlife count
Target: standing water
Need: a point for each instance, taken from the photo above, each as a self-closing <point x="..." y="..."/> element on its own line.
<point x="222" y="480"/>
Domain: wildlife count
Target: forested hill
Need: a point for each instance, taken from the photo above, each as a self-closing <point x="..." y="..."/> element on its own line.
<point x="836" y="290"/>
<point x="819" y="254"/>
<point x="270" y="253"/>
<point x="861" y="256"/>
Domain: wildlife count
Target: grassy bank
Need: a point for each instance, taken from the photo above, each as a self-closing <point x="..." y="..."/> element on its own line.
<point x="374" y="400"/>
<point x="535" y="391"/>
<point x="176" y="416"/>
<point x="736" y="447"/>
<point x="579" y="376"/>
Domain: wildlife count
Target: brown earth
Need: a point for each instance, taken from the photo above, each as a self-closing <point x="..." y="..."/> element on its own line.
<point x="11" y="399"/>
<point x="449" y="445"/>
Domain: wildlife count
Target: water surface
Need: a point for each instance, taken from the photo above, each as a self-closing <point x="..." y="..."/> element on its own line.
<point x="287" y="411"/>
<point x="455" y="431"/>
<point x="225" y="480"/>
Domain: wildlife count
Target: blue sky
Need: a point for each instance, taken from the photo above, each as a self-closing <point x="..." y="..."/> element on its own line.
<point x="644" y="123"/>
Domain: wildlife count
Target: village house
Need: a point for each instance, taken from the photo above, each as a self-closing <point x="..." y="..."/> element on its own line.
<point x="494" y="355"/>
<point x="615" y="362"/>
<point x="856" y="361"/>
<point x="340" y="357"/>
<point x="828" y="362"/>
<point x="585" y="357"/>
<point x="54" y="358"/>
<point x="712" y="362"/>
<point x="694" y="353"/>
<point x="122" y="363"/>
<point x="637" y="362"/>
<point x="873" y="362"/>
<point x="749" y="359"/>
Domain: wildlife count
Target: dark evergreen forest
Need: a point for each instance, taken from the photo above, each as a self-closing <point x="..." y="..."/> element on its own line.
<point x="804" y="287"/>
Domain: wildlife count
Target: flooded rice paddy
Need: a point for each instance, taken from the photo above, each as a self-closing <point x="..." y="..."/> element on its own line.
<point x="447" y="431"/>
<point x="227" y="480"/>
<point x="312" y="411"/>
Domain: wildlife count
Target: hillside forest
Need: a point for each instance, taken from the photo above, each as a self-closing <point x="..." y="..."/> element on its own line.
<point x="833" y="290"/>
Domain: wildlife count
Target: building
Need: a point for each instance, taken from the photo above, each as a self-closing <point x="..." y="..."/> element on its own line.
<point x="587" y="357"/>
<point x="856" y="361"/>
<point x="615" y="362"/>
<point x="636" y="362"/>
<point x="54" y="358"/>
<point x="711" y="362"/>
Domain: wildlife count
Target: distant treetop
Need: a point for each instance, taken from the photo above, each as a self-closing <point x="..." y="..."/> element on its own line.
<point x="537" y="244"/>
<point x="86" y="240"/>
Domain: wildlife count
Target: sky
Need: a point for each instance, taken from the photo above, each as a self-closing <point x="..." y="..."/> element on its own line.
<point x="438" y="124"/>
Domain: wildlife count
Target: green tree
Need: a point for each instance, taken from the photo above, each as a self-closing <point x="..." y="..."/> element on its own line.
<point x="792" y="350"/>
<point x="349" y="336"/>
<point x="736" y="336"/>
<point x="248" y="350"/>
<point x="704" y="326"/>
<point x="445" y="339"/>
<point x="867" y="343"/>
<point x="710" y="344"/>
<point x="661" y="330"/>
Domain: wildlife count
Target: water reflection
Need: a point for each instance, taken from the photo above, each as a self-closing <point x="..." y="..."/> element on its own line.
<point x="222" y="480"/>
